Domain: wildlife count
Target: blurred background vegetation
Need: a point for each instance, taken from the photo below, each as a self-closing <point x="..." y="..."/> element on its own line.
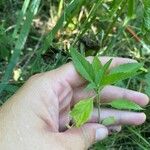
<point x="35" y="36"/>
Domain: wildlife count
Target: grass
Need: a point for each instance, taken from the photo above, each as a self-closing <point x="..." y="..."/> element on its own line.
<point x="35" y="36"/>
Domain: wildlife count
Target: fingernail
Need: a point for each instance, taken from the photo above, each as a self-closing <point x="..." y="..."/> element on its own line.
<point x="140" y="119"/>
<point x="101" y="133"/>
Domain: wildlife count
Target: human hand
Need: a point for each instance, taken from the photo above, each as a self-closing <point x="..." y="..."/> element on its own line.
<point x="37" y="115"/>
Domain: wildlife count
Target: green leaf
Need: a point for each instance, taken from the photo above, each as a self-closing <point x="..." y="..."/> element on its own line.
<point x="99" y="73"/>
<point x="146" y="18"/>
<point x="115" y="6"/>
<point x="129" y="67"/>
<point x="124" y="104"/>
<point x="99" y="77"/>
<point x="107" y="65"/>
<point x="82" y="65"/>
<point x="21" y="15"/>
<point x="131" y="9"/>
<point x="82" y="111"/>
<point x="116" y="77"/>
<point x="122" y="72"/>
<point x="90" y="86"/>
<point x="130" y="12"/>
<point x="147" y="81"/>
<point x="96" y="64"/>
<point x="98" y="70"/>
<point x="109" y="121"/>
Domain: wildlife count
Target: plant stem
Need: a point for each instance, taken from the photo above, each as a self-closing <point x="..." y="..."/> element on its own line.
<point x="98" y="106"/>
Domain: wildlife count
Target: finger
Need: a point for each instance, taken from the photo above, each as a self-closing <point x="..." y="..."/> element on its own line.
<point x="110" y="93"/>
<point x="121" y="117"/>
<point x="85" y="136"/>
<point x="68" y="73"/>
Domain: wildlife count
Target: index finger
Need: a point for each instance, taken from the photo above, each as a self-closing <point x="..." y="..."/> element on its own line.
<point x="68" y="72"/>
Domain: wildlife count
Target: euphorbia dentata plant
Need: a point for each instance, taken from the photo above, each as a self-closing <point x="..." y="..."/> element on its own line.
<point x="98" y="76"/>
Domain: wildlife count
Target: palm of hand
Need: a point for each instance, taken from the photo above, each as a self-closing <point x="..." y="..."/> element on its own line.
<point x="41" y="108"/>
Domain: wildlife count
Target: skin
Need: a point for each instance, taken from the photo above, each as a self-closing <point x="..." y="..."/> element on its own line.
<point x="35" y="117"/>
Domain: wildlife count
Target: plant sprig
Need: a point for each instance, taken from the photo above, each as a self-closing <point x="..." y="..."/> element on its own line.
<point x="98" y="76"/>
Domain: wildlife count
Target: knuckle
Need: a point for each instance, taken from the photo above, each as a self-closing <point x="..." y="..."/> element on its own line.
<point x="86" y="138"/>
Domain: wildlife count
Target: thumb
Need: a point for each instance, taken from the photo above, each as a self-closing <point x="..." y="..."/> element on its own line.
<point x="85" y="136"/>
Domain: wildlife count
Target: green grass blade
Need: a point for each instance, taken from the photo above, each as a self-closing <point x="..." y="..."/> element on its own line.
<point x="21" y="16"/>
<point x="114" y="8"/>
<point x="146" y="19"/>
<point x="20" y="43"/>
<point x="60" y="7"/>
<point x="140" y="136"/>
<point x="131" y="4"/>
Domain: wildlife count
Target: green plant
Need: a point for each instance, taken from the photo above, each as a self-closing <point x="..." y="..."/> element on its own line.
<point x="98" y="76"/>
<point x="147" y="80"/>
<point x="121" y="28"/>
<point x="22" y="37"/>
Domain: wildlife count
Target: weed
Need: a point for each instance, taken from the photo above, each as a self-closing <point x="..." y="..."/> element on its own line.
<point x="99" y="76"/>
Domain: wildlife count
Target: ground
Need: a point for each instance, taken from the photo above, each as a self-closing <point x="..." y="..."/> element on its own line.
<point x="38" y="39"/>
